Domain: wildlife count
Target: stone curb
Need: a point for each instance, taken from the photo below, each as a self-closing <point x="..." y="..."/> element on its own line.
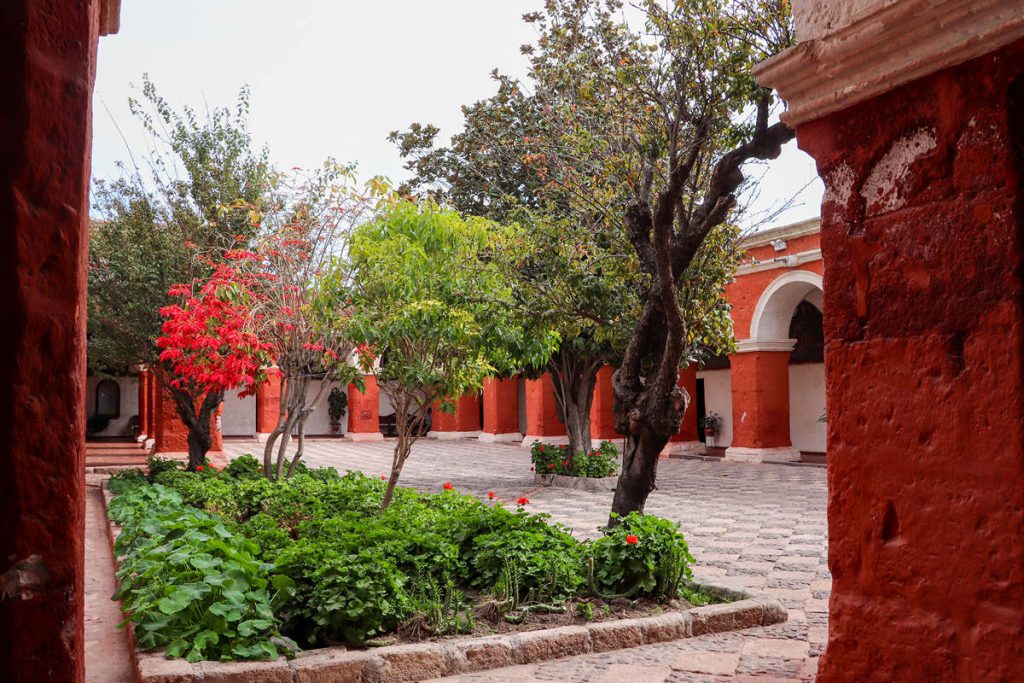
<point x="418" y="661"/>
<point x="588" y="484"/>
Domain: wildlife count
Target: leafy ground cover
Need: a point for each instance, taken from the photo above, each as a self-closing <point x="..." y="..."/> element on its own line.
<point x="228" y="565"/>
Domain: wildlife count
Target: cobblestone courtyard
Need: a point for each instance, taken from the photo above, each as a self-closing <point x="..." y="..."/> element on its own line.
<point x="748" y="525"/>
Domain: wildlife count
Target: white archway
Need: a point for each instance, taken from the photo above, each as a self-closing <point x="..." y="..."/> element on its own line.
<point x="775" y="308"/>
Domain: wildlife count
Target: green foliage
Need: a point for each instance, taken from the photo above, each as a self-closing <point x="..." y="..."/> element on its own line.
<point x="244" y="467"/>
<point x="337" y="402"/>
<point x="156" y="466"/>
<point x="602" y="461"/>
<point x="190" y="585"/>
<point x="201" y="171"/>
<point x="641" y="555"/>
<point x="334" y="571"/>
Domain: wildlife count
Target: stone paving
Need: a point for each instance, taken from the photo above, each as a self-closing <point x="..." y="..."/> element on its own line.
<point x="748" y="525"/>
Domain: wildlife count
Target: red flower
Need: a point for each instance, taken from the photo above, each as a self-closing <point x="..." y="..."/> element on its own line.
<point x="565" y="463"/>
<point x="632" y="540"/>
<point x="199" y="468"/>
<point x="542" y="448"/>
<point x="383" y="478"/>
<point x="523" y="501"/>
<point x="531" y="469"/>
<point x="448" y="486"/>
<point x="490" y="494"/>
<point x="551" y="465"/>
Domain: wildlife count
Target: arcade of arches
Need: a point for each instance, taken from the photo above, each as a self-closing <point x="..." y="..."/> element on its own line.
<point x="770" y="394"/>
<point x="914" y="113"/>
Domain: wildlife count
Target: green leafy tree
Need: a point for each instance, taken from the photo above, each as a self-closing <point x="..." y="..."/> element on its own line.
<point x="654" y="126"/>
<point x="430" y="309"/>
<point x="191" y="196"/>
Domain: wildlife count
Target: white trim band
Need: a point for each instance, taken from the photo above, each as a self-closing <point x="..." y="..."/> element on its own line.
<point x="752" y="345"/>
<point x="743" y="454"/>
<point x="452" y="436"/>
<point x="510" y="437"/>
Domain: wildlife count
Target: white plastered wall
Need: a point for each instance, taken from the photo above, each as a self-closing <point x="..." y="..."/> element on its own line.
<point x="319" y="422"/>
<point x="806" y="405"/>
<point x="239" y="416"/>
<point x="129" y="404"/>
<point x="718" y="398"/>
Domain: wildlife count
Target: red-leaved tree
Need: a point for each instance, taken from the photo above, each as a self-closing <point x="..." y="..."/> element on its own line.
<point x="208" y="346"/>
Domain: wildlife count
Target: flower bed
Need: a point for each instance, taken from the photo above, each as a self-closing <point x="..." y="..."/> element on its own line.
<point x="599" y="463"/>
<point x="222" y="564"/>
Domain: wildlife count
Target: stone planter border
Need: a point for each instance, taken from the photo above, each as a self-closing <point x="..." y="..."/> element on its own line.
<point x="418" y="661"/>
<point x="588" y="484"/>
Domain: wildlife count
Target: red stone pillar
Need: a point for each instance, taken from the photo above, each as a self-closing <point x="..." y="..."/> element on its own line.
<point x="152" y="391"/>
<point x="171" y="438"/>
<point x="542" y="420"/>
<point x="48" y="53"/>
<point x="602" y="418"/>
<point x="144" y="379"/>
<point x="364" y="411"/>
<point x="921" y="149"/>
<point x="501" y="410"/>
<point x="760" y="404"/>
<point x="463" y="424"/>
<point x="687" y="441"/>
<point x="268" y="406"/>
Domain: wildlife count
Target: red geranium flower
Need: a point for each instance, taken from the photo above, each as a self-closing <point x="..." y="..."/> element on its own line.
<point x="632" y="540"/>
<point x="383" y="478"/>
<point x="551" y="465"/>
<point x="523" y="501"/>
<point x="490" y="494"/>
<point x="199" y="468"/>
<point x="448" y="486"/>
<point x="542" y="448"/>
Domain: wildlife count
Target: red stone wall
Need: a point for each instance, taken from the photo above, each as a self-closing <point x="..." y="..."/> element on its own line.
<point x="364" y="407"/>
<point x="923" y="231"/>
<point x="744" y="293"/>
<point x="602" y="416"/>
<point x="268" y="404"/>
<point x="760" y="399"/>
<point x="542" y="417"/>
<point x="688" y="428"/>
<point x="144" y="379"/>
<point x="47" y="53"/>
<point x="501" y="406"/>
<point x="466" y="417"/>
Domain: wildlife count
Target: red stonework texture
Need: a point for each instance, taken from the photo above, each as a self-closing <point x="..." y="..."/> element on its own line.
<point x="466" y="417"/>
<point x="688" y="427"/>
<point x="143" y="400"/>
<point x="47" y="52"/>
<point x="602" y="417"/>
<point x="151" y="391"/>
<point x="364" y="407"/>
<point x="501" y="406"/>
<point x="542" y="417"/>
<point x="760" y="399"/>
<point x="268" y="404"/>
<point x="923" y="230"/>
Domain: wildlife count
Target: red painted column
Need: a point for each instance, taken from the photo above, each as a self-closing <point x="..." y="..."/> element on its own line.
<point x="760" y="407"/>
<point x="687" y="441"/>
<point x="463" y="423"/>
<point x="922" y="239"/>
<point x="48" y="53"/>
<point x="144" y="379"/>
<point x="152" y="391"/>
<point x="268" y="405"/>
<point x="364" y="411"/>
<point x="171" y="438"/>
<point x="501" y="410"/>
<point x="542" y="420"/>
<point x="602" y="417"/>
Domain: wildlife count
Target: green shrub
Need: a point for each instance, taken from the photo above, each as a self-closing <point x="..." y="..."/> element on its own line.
<point x="602" y="461"/>
<point x="157" y="466"/>
<point x="244" y="467"/>
<point x="641" y="555"/>
<point x="189" y="584"/>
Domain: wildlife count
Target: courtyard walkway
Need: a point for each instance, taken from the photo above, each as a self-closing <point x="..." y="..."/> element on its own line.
<point x="748" y="525"/>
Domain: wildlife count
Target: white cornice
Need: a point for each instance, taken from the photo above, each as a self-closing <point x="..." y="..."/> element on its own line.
<point x="880" y="51"/>
<point x="790" y="261"/>
<point x="810" y="226"/>
<point x="751" y="345"/>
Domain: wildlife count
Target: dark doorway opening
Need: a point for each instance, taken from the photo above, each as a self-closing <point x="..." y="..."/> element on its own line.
<point x="701" y="409"/>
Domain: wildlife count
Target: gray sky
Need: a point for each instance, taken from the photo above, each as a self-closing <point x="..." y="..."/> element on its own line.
<point x="333" y="77"/>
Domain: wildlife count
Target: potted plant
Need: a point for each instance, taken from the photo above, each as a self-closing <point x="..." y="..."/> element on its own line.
<point x="337" y="402"/>
<point x="711" y="423"/>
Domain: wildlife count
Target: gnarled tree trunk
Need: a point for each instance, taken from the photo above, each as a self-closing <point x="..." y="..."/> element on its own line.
<point x="198" y="421"/>
<point x="574" y="376"/>
<point x="292" y="418"/>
